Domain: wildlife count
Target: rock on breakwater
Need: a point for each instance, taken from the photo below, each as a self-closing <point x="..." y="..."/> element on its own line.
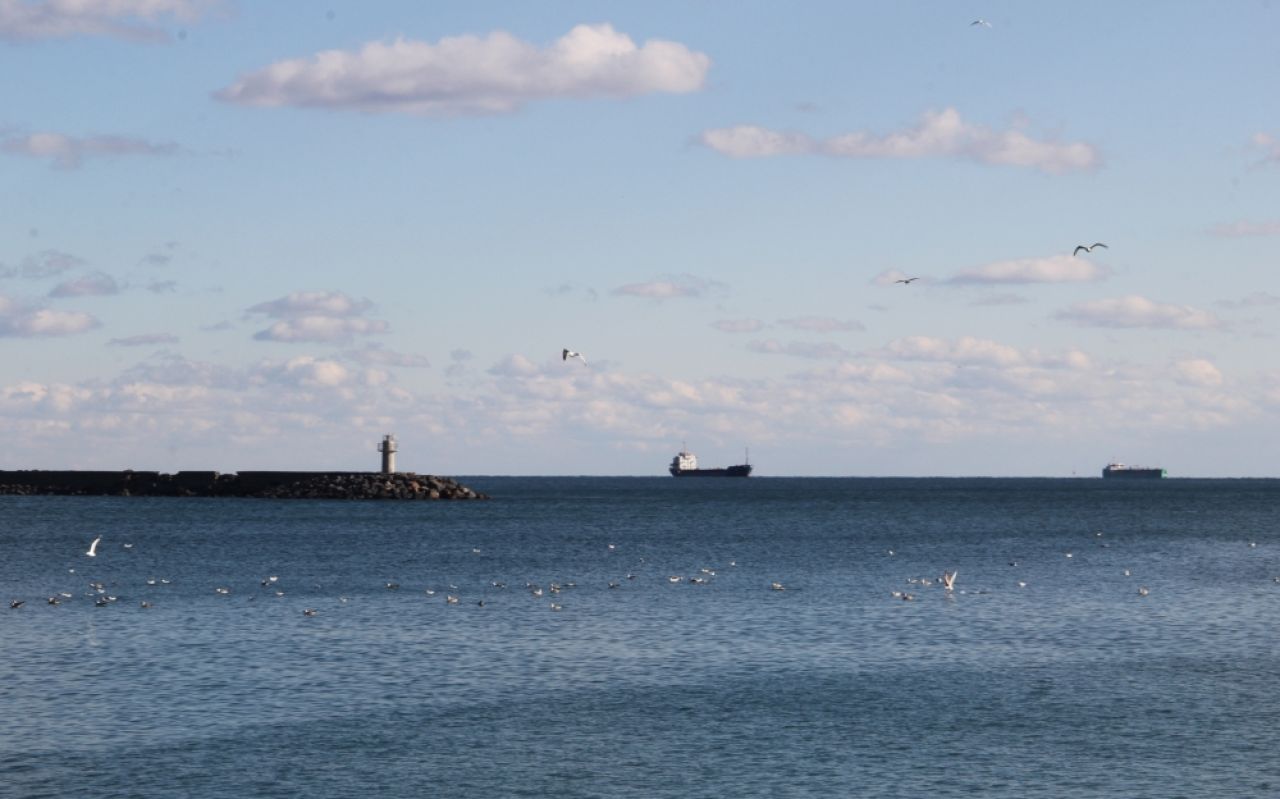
<point x="276" y="485"/>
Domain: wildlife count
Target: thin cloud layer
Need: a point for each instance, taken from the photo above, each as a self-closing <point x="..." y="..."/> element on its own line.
<point x="1139" y="312"/>
<point x="21" y="321"/>
<point x="1055" y="269"/>
<point x="126" y="19"/>
<point x="144" y="340"/>
<point x="1240" y="229"/>
<point x="70" y="152"/>
<point x="940" y="134"/>
<point x="738" y="325"/>
<point x="822" y="324"/>
<point x="671" y="287"/>
<point x="49" y="263"/>
<point x="1269" y="145"/>
<point x="799" y="349"/>
<point x="465" y="75"/>
<point x="99" y="284"/>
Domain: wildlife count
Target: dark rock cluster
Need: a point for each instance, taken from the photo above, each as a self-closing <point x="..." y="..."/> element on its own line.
<point x="401" y="485"/>
<point x="275" y="485"/>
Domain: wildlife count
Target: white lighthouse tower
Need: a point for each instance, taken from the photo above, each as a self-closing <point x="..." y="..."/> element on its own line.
<point x="388" y="450"/>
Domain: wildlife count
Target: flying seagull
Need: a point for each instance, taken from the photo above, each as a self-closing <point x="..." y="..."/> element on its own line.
<point x="949" y="579"/>
<point x="1089" y="248"/>
<point x="981" y="22"/>
<point x="906" y="280"/>
<point x="93" y="548"/>
<point x="567" y="354"/>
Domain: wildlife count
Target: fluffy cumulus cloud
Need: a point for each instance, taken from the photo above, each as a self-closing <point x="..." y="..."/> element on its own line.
<point x="69" y="152"/>
<point x="316" y="316"/>
<point x="127" y="19"/>
<point x="963" y="350"/>
<point x="464" y="75"/>
<point x="23" y="321"/>
<point x="939" y="134"/>
<point x="671" y="287"/>
<point x="1138" y="312"/>
<point x="1055" y="269"/>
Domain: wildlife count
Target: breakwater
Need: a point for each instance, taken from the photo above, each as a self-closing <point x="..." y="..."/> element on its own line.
<point x="274" y="485"/>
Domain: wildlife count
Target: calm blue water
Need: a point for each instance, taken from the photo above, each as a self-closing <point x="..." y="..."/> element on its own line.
<point x="1073" y="685"/>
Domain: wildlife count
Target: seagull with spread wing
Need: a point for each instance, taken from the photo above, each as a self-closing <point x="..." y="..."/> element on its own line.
<point x="1089" y="247"/>
<point x="567" y="354"/>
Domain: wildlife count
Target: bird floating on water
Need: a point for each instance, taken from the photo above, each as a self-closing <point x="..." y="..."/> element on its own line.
<point x="93" y="548"/>
<point x="1089" y="247"/>
<point x="567" y="354"/>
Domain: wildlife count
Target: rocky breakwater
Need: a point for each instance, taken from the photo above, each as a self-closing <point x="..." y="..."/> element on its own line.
<point x="274" y="485"/>
<point x="401" y="485"/>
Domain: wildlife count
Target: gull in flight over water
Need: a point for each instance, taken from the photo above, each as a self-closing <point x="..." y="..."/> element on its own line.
<point x="1089" y="247"/>
<point x="93" y="548"/>
<point x="906" y="280"/>
<point x="567" y="354"/>
<point x="981" y="22"/>
<point x="949" y="579"/>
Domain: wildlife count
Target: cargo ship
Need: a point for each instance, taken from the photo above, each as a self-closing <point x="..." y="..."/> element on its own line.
<point x="685" y="464"/>
<point x="1120" y="470"/>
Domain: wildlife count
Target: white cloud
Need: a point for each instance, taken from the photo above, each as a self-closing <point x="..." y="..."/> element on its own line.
<point x="464" y="75"/>
<point x="1197" y="372"/>
<point x="514" y="366"/>
<point x="822" y="324"/>
<point x="939" y="134"/>
<point x="304" y="371"/>
<point x="320" y="328"/>
<point x="21" y="321"/>
<point x="312" y="303"/>
<point x="127" y="19"/>
<point x="1054" y="269"/>
<point x="316" y="316"/>
<point x="738" y="325"/>
<point x="965" y="349"/>
<point x="69" y="152"/>
<point x="671" y="287"/>
<point x="98" y="284"/>
<point x="1139" y="312"/>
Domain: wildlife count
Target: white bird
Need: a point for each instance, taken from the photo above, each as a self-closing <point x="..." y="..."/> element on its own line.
<point x="1143" y="591"/>
<point x="1089" y="248"/>
<point x="93" y="548"/>
<point x="775" y="586"/>
<point x="981" y="22"/>
<point x="949" y="579"/>
<point x="567" y="354"/>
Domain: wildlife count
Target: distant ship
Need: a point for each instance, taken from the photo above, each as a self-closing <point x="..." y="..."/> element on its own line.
<point x="685" y="464"/>
<point x="1120" y="470"/>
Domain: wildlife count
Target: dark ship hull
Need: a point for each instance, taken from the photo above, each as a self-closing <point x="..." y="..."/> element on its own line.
<point x="743" y="470"/>
<point x="1120" y="471"/>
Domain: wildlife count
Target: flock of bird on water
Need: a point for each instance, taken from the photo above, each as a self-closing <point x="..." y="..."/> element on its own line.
<point x="947" y="581"/>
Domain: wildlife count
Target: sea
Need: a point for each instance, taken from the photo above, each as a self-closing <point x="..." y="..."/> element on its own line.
<point x="649" y="637"/>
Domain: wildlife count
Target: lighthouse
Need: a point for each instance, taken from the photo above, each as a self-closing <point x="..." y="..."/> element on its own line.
<point x="388" y="450"/>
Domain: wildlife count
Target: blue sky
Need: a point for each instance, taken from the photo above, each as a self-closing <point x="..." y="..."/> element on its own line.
<point x="261" y="235"/>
